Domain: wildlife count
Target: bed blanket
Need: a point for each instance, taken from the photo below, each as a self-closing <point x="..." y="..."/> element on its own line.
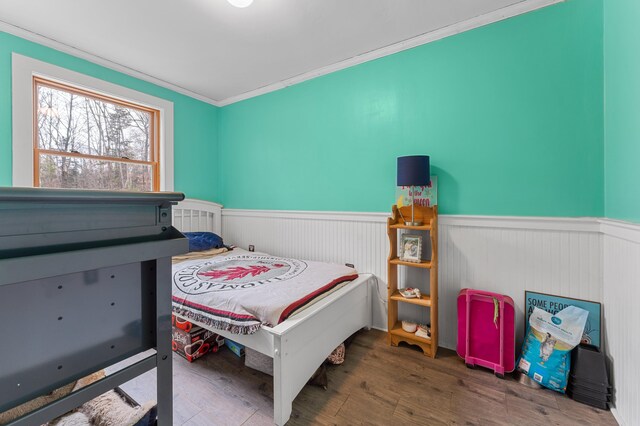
<point x="240" y="291"/>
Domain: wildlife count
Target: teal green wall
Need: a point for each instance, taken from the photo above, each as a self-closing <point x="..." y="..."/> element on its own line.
<point x="195" y="132"/>
<point x="511" y="114"/>
<point x="622" y="111"/>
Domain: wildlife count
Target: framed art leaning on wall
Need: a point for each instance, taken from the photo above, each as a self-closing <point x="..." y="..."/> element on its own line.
<point x="554" y="303"/>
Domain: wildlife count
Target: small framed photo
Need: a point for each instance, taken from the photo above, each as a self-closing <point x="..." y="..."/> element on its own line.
<point x="411" y="248"/>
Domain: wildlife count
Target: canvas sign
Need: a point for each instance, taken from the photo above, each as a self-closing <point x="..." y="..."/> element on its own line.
<point x="554" y="304"/>
<point x="425" y="196"/>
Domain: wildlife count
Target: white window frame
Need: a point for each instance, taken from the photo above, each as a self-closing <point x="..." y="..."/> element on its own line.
<point x="23" y="71"/>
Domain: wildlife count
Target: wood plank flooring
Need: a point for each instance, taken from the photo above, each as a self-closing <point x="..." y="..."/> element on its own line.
<point x="377" y="385"/>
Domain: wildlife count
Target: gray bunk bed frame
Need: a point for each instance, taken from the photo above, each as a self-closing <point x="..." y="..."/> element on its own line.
<point x="85" y="282"/>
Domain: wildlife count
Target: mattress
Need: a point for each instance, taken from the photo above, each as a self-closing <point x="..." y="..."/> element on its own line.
<point x="239" y="291"/>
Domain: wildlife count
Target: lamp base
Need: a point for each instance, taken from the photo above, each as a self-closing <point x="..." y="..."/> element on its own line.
<point x="409" y="223"/>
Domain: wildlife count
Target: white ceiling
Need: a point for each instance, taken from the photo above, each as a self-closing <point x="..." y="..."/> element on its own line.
<point x="217" y="51"/>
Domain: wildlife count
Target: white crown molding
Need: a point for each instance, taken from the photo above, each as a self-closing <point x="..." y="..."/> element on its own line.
<point x="516" y="9"/>
<point x="54" y="44"/>
<point x="620" y="229"/>
<point x="469" y="24"/>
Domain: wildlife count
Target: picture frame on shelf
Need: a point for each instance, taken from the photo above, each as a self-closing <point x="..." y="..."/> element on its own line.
<point x="411" y="248"/>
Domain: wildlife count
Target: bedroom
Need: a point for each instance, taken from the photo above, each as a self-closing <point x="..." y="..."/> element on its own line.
<point x="292" y="115"/>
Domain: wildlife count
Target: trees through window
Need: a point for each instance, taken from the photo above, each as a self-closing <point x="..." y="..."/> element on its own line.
<point x="88" y="140"/>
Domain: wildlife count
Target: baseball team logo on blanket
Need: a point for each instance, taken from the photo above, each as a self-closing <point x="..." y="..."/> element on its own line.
<point x="236" y="273"/>
<point x="240" y="291"/>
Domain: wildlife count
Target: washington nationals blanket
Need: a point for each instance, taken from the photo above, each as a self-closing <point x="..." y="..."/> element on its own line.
<point x="239" y="291"/>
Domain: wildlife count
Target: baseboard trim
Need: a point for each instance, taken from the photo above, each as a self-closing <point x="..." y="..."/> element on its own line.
<point x="616" y="415"/>
<point x="384" y="330"/>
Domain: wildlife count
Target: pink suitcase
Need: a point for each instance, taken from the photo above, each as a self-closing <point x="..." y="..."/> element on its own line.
<point x="481" y="340"/>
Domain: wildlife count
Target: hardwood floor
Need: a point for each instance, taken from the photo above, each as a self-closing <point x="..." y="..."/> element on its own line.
<point x="377" y="385"/>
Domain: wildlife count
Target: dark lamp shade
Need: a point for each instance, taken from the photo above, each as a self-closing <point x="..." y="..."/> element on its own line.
<point x="414" y="170"/>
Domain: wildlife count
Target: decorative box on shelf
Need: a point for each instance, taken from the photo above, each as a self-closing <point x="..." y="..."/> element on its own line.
<point x="428" y="295"/>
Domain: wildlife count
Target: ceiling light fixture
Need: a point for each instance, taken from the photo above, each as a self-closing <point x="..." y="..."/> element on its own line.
<point x="240" y="3"/>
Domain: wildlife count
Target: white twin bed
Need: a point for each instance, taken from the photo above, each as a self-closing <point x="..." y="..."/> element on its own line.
<point x="301" y="343"/>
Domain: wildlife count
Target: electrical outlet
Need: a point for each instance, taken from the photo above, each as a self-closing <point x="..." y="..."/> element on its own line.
<point x="252" y="247"/>
<point x="350" y="265"/>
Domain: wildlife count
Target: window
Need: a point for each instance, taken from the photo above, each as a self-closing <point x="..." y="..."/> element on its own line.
<point x="87" y="140"/>
<point x="71" y="130"/>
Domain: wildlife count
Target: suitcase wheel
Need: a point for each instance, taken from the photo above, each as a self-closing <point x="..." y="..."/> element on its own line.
<point x="499" y="375"/>
<point x="472" y="366"/>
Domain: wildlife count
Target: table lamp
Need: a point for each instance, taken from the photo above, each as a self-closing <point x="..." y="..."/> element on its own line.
<point x="413" y="170"/>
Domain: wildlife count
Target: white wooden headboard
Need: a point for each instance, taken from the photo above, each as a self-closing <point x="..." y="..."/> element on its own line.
<point x="193" y="215"/>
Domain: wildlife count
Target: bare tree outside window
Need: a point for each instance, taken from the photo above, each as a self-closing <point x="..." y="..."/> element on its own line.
<point x="91" y="141"/>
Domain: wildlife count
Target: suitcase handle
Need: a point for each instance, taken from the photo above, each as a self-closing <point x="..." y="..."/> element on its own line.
<point x="471" y="292"/>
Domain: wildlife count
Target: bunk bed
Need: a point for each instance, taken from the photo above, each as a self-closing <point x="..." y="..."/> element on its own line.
<point x="84" y="284"/>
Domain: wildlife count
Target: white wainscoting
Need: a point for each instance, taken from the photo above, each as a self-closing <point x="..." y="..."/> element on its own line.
<point x="586" y="258"/>
<point x="502" y="254"/>
<point x="359" y="239"/>
<point x="622" y="316"/>
<point x="510" y="261"/>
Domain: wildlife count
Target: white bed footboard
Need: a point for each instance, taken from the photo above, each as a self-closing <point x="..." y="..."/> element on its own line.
<point x="302" y="343"/>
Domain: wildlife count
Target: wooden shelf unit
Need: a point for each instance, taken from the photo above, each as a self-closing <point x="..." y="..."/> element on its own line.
<point x="429" y="218"/>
